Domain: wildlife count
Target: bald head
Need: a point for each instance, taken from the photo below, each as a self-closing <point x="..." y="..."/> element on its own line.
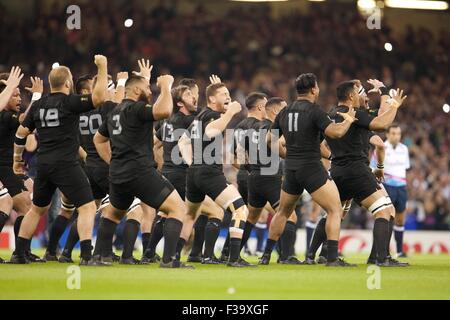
<point x="60" y="78"/>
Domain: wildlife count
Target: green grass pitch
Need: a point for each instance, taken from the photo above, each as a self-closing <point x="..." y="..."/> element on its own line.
<point x="427" y="278"/>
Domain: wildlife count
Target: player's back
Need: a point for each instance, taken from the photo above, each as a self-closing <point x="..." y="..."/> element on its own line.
<point x="169" y="132"/>
<point x="89" y="124"/>
<point x="301" y="123"/>
<point x="200" y="142"/>
<point x="56" y="118"/>
<point x="130" y="129"/>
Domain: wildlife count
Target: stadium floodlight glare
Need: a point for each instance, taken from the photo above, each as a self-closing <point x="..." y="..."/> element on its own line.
<point x="446" y="108"/>
<point x="417" y="4"/>
<point x="128" y="23"/>
<point x="55" y="65"/>
<point x="388" y="46"/>
<point x="367" y="4"/>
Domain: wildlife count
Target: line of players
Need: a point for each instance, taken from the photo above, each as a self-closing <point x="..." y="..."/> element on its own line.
<point x="117" y="137"/>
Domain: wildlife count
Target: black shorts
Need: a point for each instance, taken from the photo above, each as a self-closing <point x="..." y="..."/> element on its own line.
<point x="203" y="181"/>
<point x="151" y="187"/>
<point x="310" y="177"/>
<point x="178" y="179"/>
<point x="71" y="180"/>
<point x="12" y="182"/>
<point x="99" y="180"/>
<point x="263" y="189"/>
<point x="355" y="182"/>
<point x="242" y="183"/>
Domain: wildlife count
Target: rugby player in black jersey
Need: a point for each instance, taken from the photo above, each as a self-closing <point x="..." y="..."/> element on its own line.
<point x="133" y="173"/>
<point x="203" y="152"/>
<point x="350" y="165"/>
<point x="16" y="185"/>
<point x="95" y="168"/>
<point x="56" y="118"/>
<point x="301" y="124"/>
<point x="264" y="187"/>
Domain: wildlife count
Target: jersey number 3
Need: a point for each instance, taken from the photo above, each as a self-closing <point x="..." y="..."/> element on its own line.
<point x="117" y="126"/>
<point x="49" y="117"/>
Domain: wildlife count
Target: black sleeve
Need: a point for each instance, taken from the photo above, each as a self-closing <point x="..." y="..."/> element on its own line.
<point x="321" y="118"/>
<point x="364" y="119"/>
<point x="28" y="122"/>
<point x="9" y="119"/>
<point x="144" y="112"/>
<point x="107" y="107"/>
<point x="103" y="130"/>
<point x="79" y="103"/>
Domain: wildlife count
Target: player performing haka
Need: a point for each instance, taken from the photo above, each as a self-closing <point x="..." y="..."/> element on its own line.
<point x="56" y="117"/>
<point x="301" y="124"/>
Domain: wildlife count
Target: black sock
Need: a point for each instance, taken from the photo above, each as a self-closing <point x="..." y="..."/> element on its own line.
<point x="3" y="218"/>
<point x="145" y="241"/>
<point x="247" y="232"/>
<point x="56" y="231"/>
<point x="212" y="231"/>
<point x="286" y="239"/>
<point x="310" y="227"/>
<point x="373" y="251"/>
<point x="324" y="249"/>
<point x="72" y="239"/>
<point x="180" y="245"/>
<point x="332" y="250"/>
<point x="380" y="234"/>
<point x="130" y="233"/>
<point x="292" y="243"/>
<point x="86" y="249"/>
<point x="398" y="235"/>
<point x="199" y="235"/>
<point x="235" y="249"/>
<point x="319" y="237"/>
<point x="269" y="246"/>
<point x="391" y="228"/>
<point x="17" y="225"/>
<point x="105" y="235"/>
<point x="226" y="246"/>
<point x="155" y="237"/>
<point x="21" y="246"/>
<point x="172" y="230"/>
<point x="260" y="232"/>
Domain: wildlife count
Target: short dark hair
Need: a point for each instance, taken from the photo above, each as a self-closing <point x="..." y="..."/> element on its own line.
<point x="305" y="82"/>
<point x="177" y="96"/>
<point x="274" y="101"/>
<point x="82" y="83"/>
<point x="212" y="89"/>
<point x="253" y="98"/>
<point x="391" y="126"/>
<point x="133" y="79"/>
<point x="191" y="83"/>
<point x="344" y="89"/>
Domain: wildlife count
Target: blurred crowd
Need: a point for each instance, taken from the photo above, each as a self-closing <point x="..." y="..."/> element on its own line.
<point x="253" y="51"/>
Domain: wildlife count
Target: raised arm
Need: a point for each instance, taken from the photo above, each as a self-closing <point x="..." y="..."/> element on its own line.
<point x="100" y="91"/>
<point x="338" y="130"/>
<point x="164" y="104"/>
<point x="184" y="144"/>
<point x="218" y="126"/>
<point x="122" y="78"/>
<point x="382" y="121"/>
<point x="13" y="81"/>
